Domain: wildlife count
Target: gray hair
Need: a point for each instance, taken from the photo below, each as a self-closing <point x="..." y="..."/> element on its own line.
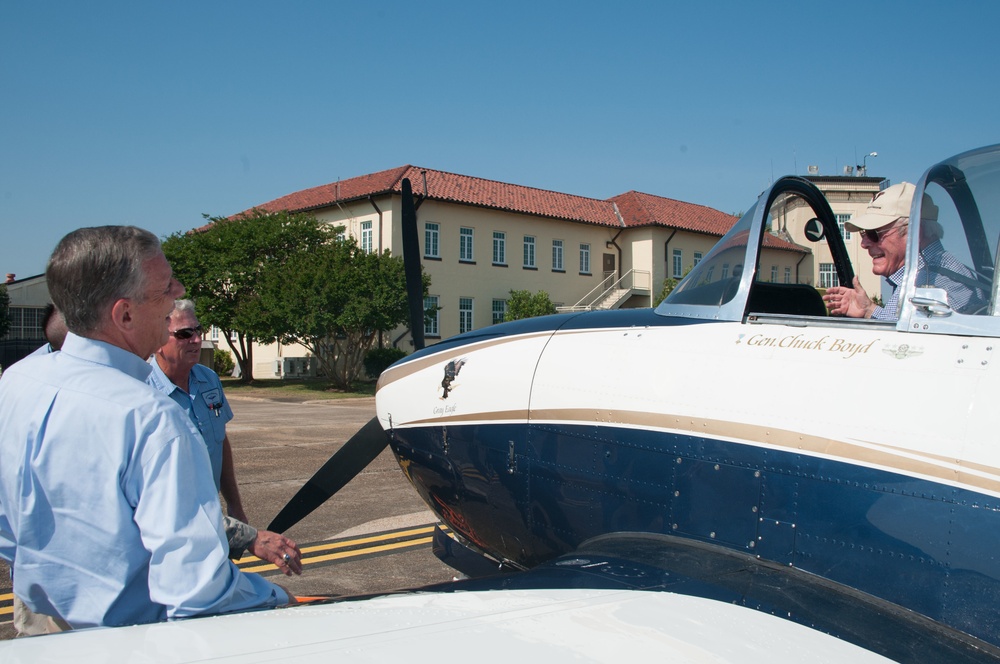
<point x="184" y="306"/>
<point x="92" y="268"/>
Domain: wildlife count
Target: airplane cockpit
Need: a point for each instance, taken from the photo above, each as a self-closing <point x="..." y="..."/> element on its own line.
<point x="792" y="230"/>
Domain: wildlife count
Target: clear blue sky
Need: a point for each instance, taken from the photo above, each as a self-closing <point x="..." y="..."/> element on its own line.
<point x="153" y="113"/>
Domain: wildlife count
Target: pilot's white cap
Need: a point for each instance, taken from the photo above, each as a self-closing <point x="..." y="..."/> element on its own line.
<point x="889" y="205"/>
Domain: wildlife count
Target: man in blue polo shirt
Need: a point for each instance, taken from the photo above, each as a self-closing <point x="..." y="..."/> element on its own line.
<point x="197" y="389"/>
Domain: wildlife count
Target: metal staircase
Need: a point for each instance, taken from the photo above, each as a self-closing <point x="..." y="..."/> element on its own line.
<point x="612" y="292"/>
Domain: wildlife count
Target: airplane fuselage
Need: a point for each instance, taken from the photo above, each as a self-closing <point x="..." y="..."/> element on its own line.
<point x="731" y="434"/>
<point x="740" y="415"/>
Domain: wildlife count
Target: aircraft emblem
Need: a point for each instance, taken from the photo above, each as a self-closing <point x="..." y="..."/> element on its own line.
<point x="450" y="372"/>
<point x="902" y="351"/>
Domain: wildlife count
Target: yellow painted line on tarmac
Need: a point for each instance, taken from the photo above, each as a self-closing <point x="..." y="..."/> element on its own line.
<point x="354" y="541"/>
<point x="411" y="542"/>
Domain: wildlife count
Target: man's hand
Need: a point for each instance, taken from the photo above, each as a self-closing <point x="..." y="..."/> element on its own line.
<point x="278" y="550"/>
<point x="852" y="302"/>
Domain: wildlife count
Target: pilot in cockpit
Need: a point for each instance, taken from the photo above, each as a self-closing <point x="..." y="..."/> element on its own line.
<point x="883" y="228"/>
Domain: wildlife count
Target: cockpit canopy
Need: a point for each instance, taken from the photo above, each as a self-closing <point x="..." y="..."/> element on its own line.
<point x="793" y="218"/>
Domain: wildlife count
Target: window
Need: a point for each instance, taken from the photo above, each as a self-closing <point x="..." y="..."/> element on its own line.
<point x="366" y="237"/>
<point x="431" y="238"/>
<point x="529" y="251"/>
<point x="557" y="255"/>
<point x="697" y="258"/>
<point x="828" y="276"/>
<point x="431" y="316"/>
<point x="841" y="220"/>
<point x="499" y="311"/>
<point x="725" y="270"/>
<point x="678" y="261"/>
<point x="465" y="245"/>
<point x="26" y="323"/>
<point x="499" y="248"/>
<point x="774" y="274"/>
<point x="464" y="314"/>
<point x="213" y="333"/>
<point x="584" y="259"/>
<point x="788" y="275"/>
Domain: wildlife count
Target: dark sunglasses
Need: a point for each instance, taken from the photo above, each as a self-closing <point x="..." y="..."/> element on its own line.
<point x="186" y="332"/>
<point x="875" y="235"/>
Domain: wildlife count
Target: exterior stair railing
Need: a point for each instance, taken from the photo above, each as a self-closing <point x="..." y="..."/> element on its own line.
<point x="611" y="292"/>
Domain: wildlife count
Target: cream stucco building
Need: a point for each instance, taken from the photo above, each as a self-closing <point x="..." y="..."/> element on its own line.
<point x="848" y="197"/>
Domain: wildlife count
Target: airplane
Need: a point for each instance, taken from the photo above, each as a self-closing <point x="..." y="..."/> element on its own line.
<point x="734" y="475"/>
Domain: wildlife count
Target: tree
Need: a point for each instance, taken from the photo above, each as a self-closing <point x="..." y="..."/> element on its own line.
<point x="224" y="265"/>
<point x="669" y="284"/>
<point x="522" y="304"/>
<point x="4" y="311"/>
<point x="335" y="300"/>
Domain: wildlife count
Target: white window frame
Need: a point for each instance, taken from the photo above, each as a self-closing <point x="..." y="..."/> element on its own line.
<point x="584" y="258"/>
<point x="828" y="275"/>
<point x="774" y="274"/>
<point x="678" y="263"/>
<point x="557" y="256"/>
<point x="841" y="220"/>
<point x="499" y="310"/>
<point x="788" y="275"/>
<point x="432" y="240"/>
<point x="499" y="248"/>
<point x="465" y="314"/>
<point x="529" y="251"/>
<point x="466" y="242"/>
<point x="367" y="237"/>
<point x="432" y="322"/>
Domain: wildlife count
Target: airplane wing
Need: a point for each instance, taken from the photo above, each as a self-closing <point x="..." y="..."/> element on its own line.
<point x="482" y="626"/>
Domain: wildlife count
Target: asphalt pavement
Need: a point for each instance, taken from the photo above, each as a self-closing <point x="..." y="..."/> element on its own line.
<point x="277" y="446"/>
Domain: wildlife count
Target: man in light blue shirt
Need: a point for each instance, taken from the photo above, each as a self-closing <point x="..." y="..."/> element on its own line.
<point x="108" y="510"/>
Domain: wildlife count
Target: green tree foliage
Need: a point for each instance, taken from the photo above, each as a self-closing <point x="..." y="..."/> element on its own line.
<point x="335" y="300"/>
<point x="379" y="359"/>
<point x="4" y="311"/>
<point x="524" y="304"/>
<point x="223" y="362"/>
<point x="224" y="267"/>
<point x="669" y="284"/>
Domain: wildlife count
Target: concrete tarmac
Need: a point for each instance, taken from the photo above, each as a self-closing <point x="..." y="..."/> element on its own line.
<point x="277" y="446"/>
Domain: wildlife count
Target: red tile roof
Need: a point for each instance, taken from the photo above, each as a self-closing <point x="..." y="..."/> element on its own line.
<point x="636" y="208"/>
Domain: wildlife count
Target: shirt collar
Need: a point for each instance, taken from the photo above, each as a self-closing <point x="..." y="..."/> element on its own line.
<point x="101" y="352"/>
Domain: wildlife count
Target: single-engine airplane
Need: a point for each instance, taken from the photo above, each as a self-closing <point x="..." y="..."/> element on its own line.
<point x="733" y="476"/>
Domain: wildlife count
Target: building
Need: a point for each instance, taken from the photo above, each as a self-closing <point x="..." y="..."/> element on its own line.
<point x="480" y="239"/>
<point x="848" y="197"/>
<point x="28" y="298"/>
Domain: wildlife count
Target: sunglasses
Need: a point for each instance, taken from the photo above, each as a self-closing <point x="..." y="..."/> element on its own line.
<point x="186" y="332"/>
<point x="876" y="235"/>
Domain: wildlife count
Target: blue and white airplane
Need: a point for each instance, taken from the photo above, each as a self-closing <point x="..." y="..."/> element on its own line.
<point x="738" y="426"/>
<point x="733" y="476"/>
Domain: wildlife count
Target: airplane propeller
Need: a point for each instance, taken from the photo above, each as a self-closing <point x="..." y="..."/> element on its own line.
<point x="364" y="446"/>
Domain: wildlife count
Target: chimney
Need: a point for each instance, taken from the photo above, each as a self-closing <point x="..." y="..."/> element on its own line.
<point x="10" y="278"/>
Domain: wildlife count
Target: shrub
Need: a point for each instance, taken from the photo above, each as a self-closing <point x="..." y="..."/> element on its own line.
<point x="224" y="363"/>
<point x="378" y="359"/>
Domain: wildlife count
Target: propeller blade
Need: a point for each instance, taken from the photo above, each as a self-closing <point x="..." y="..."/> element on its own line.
<point x="411" y="266"/>
<point x="360" y="450"/>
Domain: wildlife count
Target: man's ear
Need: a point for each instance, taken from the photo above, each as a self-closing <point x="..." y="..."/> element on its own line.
<point x="122" y="314"/>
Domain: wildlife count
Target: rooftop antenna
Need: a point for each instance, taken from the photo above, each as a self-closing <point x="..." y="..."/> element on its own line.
<point x="863" y="166"/>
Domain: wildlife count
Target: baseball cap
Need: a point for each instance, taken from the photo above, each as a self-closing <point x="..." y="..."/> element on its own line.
<point x="889" y="205"/>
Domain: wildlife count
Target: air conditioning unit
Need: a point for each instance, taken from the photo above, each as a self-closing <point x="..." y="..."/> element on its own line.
<point x="297" y="367"/>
